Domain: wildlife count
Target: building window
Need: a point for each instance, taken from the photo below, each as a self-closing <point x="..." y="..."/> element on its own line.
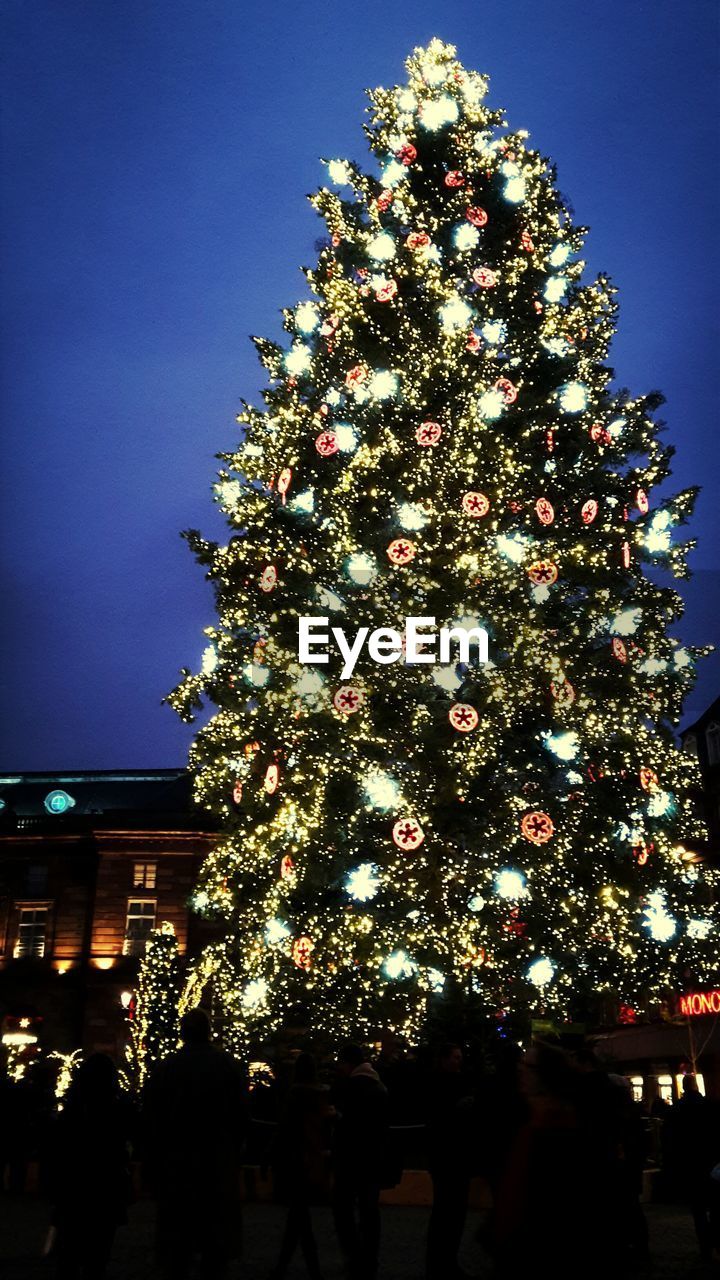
<point x="138" y="926"/>
<point x="690" y="746"/>
<point x="144" y="875"/>
<point x="665" y="1088"/>
<point x="637" y="1084"/>
<point x="712" y="737"/>
<point x="32" y="931"/>
<point x="36" y="880"/>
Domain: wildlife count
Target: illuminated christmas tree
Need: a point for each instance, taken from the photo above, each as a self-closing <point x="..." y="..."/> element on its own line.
<point x="440" y="440"/>
<point x="154" y="1025"/>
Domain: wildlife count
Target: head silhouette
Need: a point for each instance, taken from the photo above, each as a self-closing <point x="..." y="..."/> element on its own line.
<point x="195" y="1027"/>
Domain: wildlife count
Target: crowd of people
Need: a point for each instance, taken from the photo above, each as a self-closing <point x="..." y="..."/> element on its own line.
<point x="559" y="1142"/>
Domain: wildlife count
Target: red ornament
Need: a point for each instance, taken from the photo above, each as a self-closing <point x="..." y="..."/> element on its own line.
<point x="507" y="389"/>
<point x="545" y="511"/>
<point x="406" y="153"/>
<point x="463" y="717"/>
<point x="599" y="434"/>
<point x="625" y="552"/>
<point x="348" y="699"/>
<point x="537" y="827"/>
<point x="269" y="578"/>
<point x="527" y="242"/>
<point x="237" y="792"/>
<point x="563" y="692"/>
<point x="618" y="649"/>
<point x="401" y="551"/>
<point x="473" y="342"/>
<point x="550" y="440"/>
<point x="649" y="780"/>
<point x="641" y="853"/>
<point x="589" y="511"/>
<point x="302" y="952"/>
<point x="336" y="240"/>
<point x="287" y="867"/>
<point x="428" y="433"/>
<point x="356" y="376"/>
<point x="384" y="200"/>
<point x="327" y="444"/>
<point x="514" y="924"/>
<point x="454" y="178"/>
<point x="283" y="483"/>
<point x="484" y="277"/>
<point x="543" y="573"/>
<point x="476" y="216"/>
<point x="475" y="504"/>
<point x="642" y="501"/>
<point x="327" y="328"/>
<point x="408" y="834"/>
<point x="272" y="778"/>
<point x="627" y="1016"/>
<point x="417" y="240"/>
<point x="387" y="291"/>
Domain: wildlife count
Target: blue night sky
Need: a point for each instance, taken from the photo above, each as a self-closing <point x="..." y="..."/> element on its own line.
<point x="156" y="157"/>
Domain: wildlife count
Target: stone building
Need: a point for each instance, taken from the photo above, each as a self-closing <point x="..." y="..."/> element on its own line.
<point x="89" y="863"/>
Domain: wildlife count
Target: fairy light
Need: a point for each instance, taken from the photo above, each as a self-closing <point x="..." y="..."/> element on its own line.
<point x="394" y="857"/>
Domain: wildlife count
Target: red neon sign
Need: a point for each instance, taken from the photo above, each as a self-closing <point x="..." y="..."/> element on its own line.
<point x="699" y="1002"/>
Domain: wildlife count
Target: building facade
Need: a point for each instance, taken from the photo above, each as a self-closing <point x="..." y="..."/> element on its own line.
<point x="89" y="864"/>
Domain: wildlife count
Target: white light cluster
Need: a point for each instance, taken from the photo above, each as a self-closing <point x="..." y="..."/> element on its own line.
<point x="510" y="884"/>
<point x="455" y="314"/>
<point x="298" y="359"/>
<point x="399" y="965"/>
<point x="436" y="113"/>
<point x="491" y="405"/>
<point x="382" y="247"/>
<point x="541" y="972"/>
<point x="361" y="568"/>
<point x="340" y="172"/>
<point x="381" y="790"/>
<point x="411" y="516"/>
<point x="573" y="397"/>
<point x="363" y="883"/>
<point x="513" y="547"/>
<point x="564" y="745"/>
<point x="307" y="317"/>
<point x="658" y="921"/>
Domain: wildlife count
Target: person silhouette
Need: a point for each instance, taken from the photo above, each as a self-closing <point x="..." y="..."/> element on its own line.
<point x="88" y="1175"/>
<point x="360" y="1152"/>
<point x="300" y="1163"/>
<point x="195" y="1123"/>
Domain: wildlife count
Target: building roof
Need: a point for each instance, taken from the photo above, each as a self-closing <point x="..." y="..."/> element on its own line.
<point x="97" y="798"/>
<point x="711" y="713"/>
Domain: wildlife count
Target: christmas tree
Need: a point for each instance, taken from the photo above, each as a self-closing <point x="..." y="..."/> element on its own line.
<point x="440" y="440"/>
<point x="154" y="1025"/>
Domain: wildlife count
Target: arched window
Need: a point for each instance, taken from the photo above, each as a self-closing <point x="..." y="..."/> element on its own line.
<point x="690" y="744"/>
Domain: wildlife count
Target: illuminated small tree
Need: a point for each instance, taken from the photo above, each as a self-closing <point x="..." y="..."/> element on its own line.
<point x="154" y="1011"/>
<point x="440" y="439"/>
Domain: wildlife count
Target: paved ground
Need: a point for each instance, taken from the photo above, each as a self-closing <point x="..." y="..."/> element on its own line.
<point x="23" y="1224"/>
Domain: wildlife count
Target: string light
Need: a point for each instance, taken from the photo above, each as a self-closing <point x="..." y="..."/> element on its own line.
<point x="454" y="363"/>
